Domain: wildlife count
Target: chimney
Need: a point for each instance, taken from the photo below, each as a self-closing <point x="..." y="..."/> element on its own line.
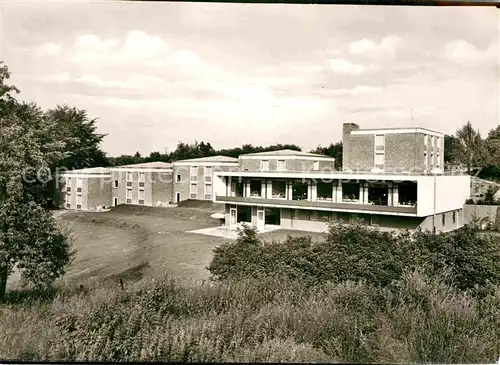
<point x="347" y="128"/>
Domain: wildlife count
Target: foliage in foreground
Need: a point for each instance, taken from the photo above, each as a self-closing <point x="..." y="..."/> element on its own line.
<point x="415" y="319"/>
<point x="356" y="252"/>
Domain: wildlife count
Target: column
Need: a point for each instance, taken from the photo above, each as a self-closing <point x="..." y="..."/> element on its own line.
<point x="247" y="189"/>
<point x="289" y="190"/>
<point x="314" y="192"/>
<point x="269" y="188"/>
<point x="309" y="191"/>
<point x="395" y="195"/>
<point x="389" y="193"/>
<point x="229" y="186"/>
<point x="338" y="198"/>
<point x="263" y="188"/>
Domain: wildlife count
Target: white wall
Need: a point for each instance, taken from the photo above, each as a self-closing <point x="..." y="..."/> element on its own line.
<point x="451" y="193"/>
<point x="218" y="187"/>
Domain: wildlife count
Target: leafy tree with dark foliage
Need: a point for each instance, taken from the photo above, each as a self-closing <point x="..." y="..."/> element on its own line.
<point x="29" y="237"/>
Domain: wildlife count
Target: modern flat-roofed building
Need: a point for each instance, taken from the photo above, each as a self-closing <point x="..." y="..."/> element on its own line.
<point x="193" y="178"/>
<point x="281" y="188"/>
<point x="392" y="150"/>
<point x="86" y="189"/>
<point x="147" y="183"/>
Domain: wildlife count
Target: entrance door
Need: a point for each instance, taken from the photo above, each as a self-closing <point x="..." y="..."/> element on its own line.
<point x="177" y="197"/>
<point x="115" y="202"/>
<point x="232" y="217"/>
<point x="260" y="220"/>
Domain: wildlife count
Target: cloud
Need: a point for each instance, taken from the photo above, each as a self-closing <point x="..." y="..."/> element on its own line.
<point x="140" y="45"/>
<point x="48" y="49"/>
<point x="343" y="66"/>
<point x="96" y="80"/>
<point x="464" y="53"/>
<point x="360" y="89"/>
<point x="388" y="45"/>
<point x="60" y="77"/>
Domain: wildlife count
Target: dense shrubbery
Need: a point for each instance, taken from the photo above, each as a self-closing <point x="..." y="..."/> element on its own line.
<point x="358" y="295"/>
<point x="356" y="252"/>
<point x="415" y="319"/>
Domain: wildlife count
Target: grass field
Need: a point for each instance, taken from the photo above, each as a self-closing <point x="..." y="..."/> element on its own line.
<point x="132" y="242"/>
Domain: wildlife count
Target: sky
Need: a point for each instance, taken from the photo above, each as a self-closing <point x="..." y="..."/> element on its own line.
<point x="158" y="73"/>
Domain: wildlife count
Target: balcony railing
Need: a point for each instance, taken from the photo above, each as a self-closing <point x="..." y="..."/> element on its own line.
<point x="318" y="204"/>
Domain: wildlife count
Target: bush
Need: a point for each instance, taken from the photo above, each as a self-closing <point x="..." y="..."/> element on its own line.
<point x="359" y="253"/>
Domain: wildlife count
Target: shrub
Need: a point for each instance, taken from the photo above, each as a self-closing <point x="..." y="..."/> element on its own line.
<point x="359" y="253"/>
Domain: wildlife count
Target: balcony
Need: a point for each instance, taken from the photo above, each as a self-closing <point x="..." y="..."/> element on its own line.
<point x="318" y="204"/>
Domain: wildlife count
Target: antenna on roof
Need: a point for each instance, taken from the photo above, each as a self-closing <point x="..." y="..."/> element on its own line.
<point x="411" y="122"/>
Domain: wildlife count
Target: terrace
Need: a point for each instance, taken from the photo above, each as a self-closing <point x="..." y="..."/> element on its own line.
<point x="335" y="195"/>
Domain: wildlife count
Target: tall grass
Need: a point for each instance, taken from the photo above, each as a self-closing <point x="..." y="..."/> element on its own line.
<point x="418" y="319"/>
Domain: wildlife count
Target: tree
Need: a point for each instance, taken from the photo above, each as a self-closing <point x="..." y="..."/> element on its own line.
<point x="492" y="146"/>
<point x="471" y="146"/>
<point x="452" y="149"/>
<point x="80" y="132"/>
<point x="29" y="237"/>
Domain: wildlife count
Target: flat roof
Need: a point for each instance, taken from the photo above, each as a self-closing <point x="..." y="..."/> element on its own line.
<point x="214" y="159"/>
<point x="146" y="165"/>
<point x="285" y="153"/>
<point x="88" y="171"/>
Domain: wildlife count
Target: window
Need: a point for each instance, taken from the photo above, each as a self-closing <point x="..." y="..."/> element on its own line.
<point x="299" y="190"/>
<point x="178" y="178"/>
<point x="68" y="184"/>
<point x="116" y="184"/>
<point x="68" y="200"/>
<point x="264" y="165"/>
<point x="316" y="165"/>
<point x="426" y="140"/>
<point x="142" y="177"/>
<point x="313" y="215"/>
<point x="193" y="191"/>
<point x="379" y="160"/>
<point x="443" y="219"/>
<point x="438" y="142"/>
<point x="281" y="165"/>
<point x="129" y="176"/>
<point x="379" y="142"/>
<point x="208" y="173"/>
<point x="324" y="215"/>
<point x="129" y="196"/>
<point x="194" y="173"/>
<point x="350" y="192"/>
<point x="454" y="217"/>
<point x="324" y="191"/>
<point x="78" y="202"/>
<point x="141" y="196"/>
<point x="255" y="188"/>
<point x="79" y="183"/>
<point x="208" y="191"/>
<point x="278" y="189"/>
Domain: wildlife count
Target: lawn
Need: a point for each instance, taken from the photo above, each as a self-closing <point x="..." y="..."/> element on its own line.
<point x="131" y="242"/>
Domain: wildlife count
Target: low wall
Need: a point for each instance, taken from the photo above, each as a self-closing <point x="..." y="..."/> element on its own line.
<point x="488" y="212"/>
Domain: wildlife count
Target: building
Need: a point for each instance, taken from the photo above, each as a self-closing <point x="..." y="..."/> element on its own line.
<point x="414" y="150"/>
<point x="142" y="184"/>
<point x="193" y="178"/>
<point x="297" y="190"/>
<point x="86" y="189"/>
